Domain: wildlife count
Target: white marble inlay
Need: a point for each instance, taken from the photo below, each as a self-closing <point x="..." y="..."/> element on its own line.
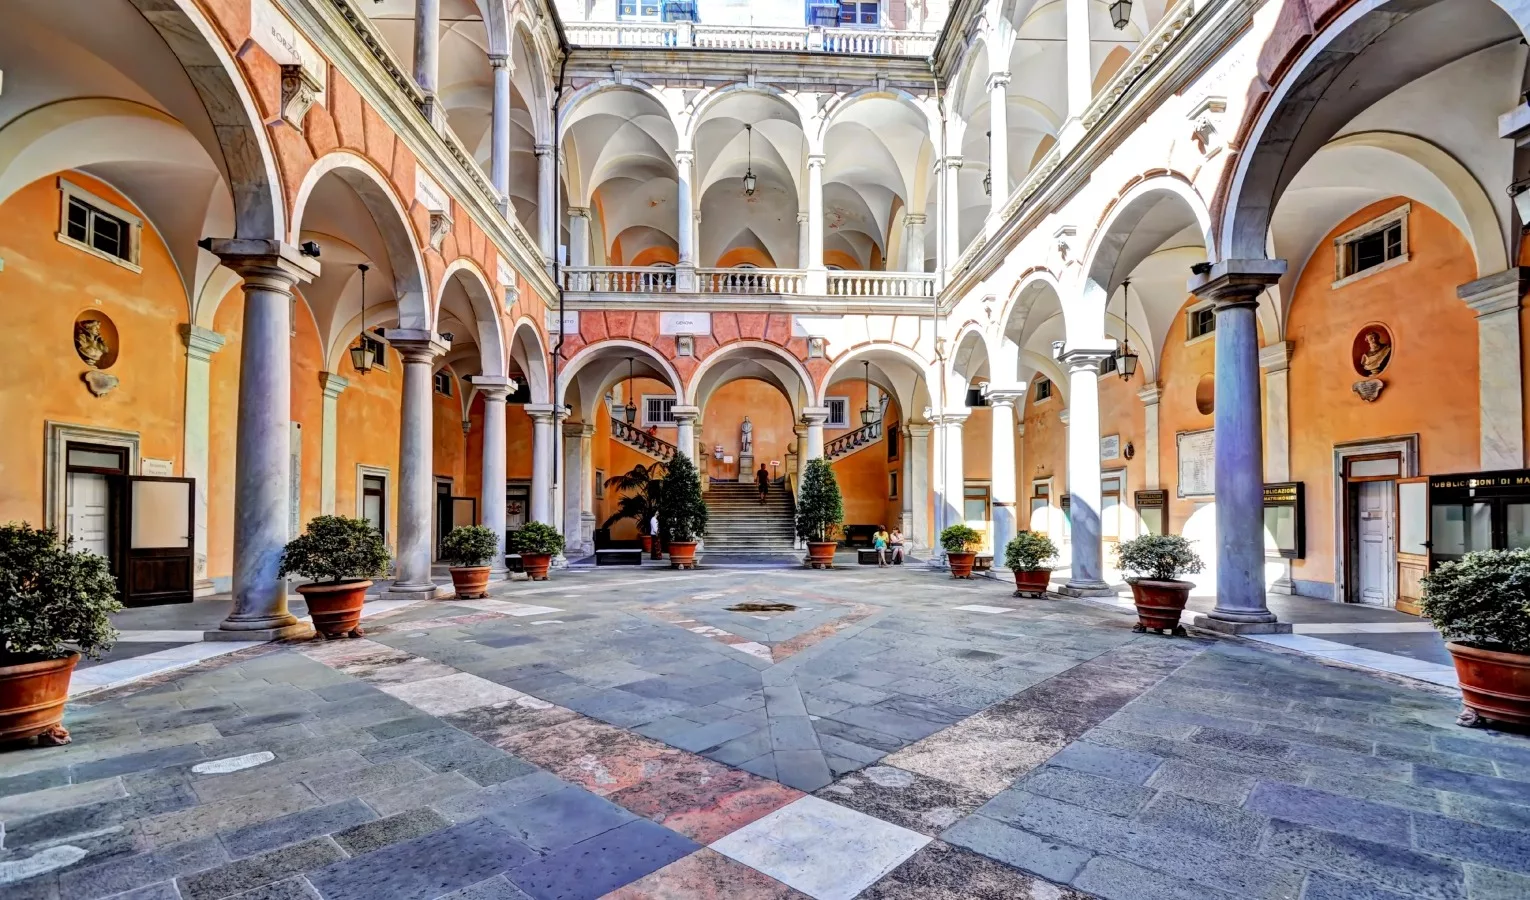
<point x="1359" y="656"/>
<point x="994" y="610"/>
<point x="233" y="763"/>
<point x="825" y="850"/>
<point x="1363" y="628"/>
<point x="122" y="671"/>
<point x="159" y="637"/>
<point x="451" y="693"/>
<point x="753" y="648"/>
<point x="39" y="863"/>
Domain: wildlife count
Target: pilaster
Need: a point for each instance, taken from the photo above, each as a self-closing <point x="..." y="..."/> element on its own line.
<point x="1496" y="301"/>
<point x="329" y="434"/>
<point x="201" y="343"/>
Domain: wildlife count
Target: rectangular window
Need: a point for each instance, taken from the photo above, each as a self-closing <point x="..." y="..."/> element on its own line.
<point x="378" y="349"/>
<point x="1373" y="247"/>
<point x="374" y="501"/>
<point x="1043" y="389"/>
<point x="858" y="12"/>
<point x="97" y="226"/>
<point x="839" y="412"/>
<point x="975" y="502"/>
<point x="444" y="383"/>
<point x="1108" y="365"/>
<point x="658" y="410"/>
<point x="1200" y="321"/>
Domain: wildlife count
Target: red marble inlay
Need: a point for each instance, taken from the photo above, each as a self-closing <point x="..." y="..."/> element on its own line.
<point x="704" y="800"/>
<point x="705" y="875"/>
<point x="599" y="757"/>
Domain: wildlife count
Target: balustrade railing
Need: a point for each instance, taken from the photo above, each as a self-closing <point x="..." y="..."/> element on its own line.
<point x="881" y="284"/>
<point x="620" y="279"/>
<point x="750" y="281"/>
<point x="860" y="437"/>
<point x="849" y="41"/>
<point x="637" y="438"/>
<point x="621" y="34"/>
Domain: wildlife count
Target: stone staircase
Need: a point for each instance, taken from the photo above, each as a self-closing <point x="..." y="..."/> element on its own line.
<point x="642" y="441"/>
<point x="738" y="524"/>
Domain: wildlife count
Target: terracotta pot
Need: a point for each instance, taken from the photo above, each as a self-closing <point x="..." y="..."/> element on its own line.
<point x="336" y="608"/>
<point x="536" y="565"/>
<point x="821" y="554"/>
<point x="647" y="543"/>
<point x="961" y="563"/>
<point x="32" y="696"/>
<point x="1494" y="685"/>
<point x="471" y="582"/>
<point x="1032" y="582"/>
<point x="682" y="554"/>
<point x="1159" y="604"/>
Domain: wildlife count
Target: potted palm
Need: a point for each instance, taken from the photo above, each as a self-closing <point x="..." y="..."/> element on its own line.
<point x="960" y="543"/>
<point x="339" y="556"/>
<point x="537" y="543"/>
<point x="55" y="604"/>
<point x="1156" y="562"/>
<point x="1026" y="555"/>
<point x="1481" y="605"/>
<point x="820" y="510"/>
<point x="468" y="549"/>
<point x="641" y="489"/>
<point x="682" y="511"/>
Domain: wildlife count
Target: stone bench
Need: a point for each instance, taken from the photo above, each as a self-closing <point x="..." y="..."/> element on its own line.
<point x="869" y="557"/>
<point x="619" y="557"/>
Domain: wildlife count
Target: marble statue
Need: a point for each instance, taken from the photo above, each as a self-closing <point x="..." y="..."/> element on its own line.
<point x="89" y="342"/>
<point x="1376" y="354"/>
<point x="746" y="440"/>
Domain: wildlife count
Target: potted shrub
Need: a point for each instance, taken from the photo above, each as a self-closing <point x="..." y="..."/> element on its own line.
<point x="682" y="512"/>
<point x="537" y="543"/>
<point x="1481" y="605"/>
<point x="55" y="604"/>
<point x="469" y="549"/>
<point x="641" y="489"/>
<point x="1026" y="555"/>
<point x="1157" y="561"/>
<point x="339" y="556"/>
<point x="960" y="543"/>
<point x="820" y="510"/>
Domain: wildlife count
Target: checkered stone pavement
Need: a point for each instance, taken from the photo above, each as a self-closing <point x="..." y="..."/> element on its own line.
<point x="896" y="736"/>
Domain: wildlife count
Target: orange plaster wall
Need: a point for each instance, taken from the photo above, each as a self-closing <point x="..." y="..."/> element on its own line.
<point x="742" y="255"/>
<point x="367" y="433"/>
<point x="653" y="255"/>
<point x="843" y="260"/>
<point x="723" y="419"/>
<point x="863" y="475"/>
<point x="1431" y="380"/>
<point x="1044" y="454"/>
<point x="517" y="443"/>
<point x="44" y="285"/>
<point x="1180" y="371"/>
<point x="449" y="457"/>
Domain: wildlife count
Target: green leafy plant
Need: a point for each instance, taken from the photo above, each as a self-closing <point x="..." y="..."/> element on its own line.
<point x="820" y="508"/>
<point x="334" y="549"/>
<point x="642" y="488"/>
<point x="52" y="599"/>
<point x="1482" y="599"/>
<point x="469" y="545"/>
<point x="537" y="539"/>
<point x="682" y="511"/>
<point x="1158" y="557"/>
<point x="1029" y="552"/>
<point x="959" y="538"/>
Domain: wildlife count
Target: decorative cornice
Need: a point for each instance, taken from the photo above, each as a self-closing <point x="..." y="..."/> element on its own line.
<point x="201" y="343"/>
<point x="332" y="385"/>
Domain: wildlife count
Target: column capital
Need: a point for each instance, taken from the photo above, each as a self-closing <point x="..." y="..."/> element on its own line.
<point x="333" y="385"/>
<point x="577" y="430"/>
<point x="1151" y="394"/>
<point x="1276" y="357"/>
<point x="802" y="218"/>
<point x="684" y="157"/>
<point x="998" y="81"/>
<point x="416" y="345"/>
<point x="275" y="264"/>
<point x="1079" y="359"/>
<point x="816" y="160"/>
<point x="543" y="149"/>
<point x="914" y="219"/>
<point x="1499" y="292"/>
<point x="949" y="417"/>
<point x="546" y="412"/>
<point x="578" y="212"/>
<point x="1237" y="282"/>
<point x="1010" y="395"/>
<point x="815" y="415"/>
<point x="918" y="429"/>
<point x="685" y="413"/>
<point x="1062" y="416"/>
<point x="500" y="61"/>
<point x="952" y="161"/>
<point x="201" y="343"/>
<point x="495" y="388"/>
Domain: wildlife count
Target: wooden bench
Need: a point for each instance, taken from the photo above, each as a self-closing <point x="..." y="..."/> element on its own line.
<point x="613" y="556"/>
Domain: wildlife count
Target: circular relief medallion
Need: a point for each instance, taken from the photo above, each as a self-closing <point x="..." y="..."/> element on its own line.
<point x="95" y="339"/>
<point x="1372" y="350"/>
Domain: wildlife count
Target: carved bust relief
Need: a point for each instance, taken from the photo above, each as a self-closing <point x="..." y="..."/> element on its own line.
<point x="1372" y="350"/>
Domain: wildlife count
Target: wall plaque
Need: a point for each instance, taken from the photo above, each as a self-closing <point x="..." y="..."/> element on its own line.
<point x="685" y="323"/>
<point x="1197" y="463"/>
<point x="1110" y="447"/>
<point x="276" y="35"/>
<point x="158" y="467"/>
<point x="1285" y="519"/>
<point x="570" y="321"/>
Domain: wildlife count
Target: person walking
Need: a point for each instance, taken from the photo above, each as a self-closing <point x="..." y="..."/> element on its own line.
<point x="879" y="544"/>
<point x="762" y="479"/>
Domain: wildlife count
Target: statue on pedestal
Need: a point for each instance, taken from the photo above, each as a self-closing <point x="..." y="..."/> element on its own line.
<point x="746" y="440"/>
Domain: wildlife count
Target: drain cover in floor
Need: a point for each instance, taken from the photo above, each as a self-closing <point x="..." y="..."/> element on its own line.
<point x="761" y="607"/>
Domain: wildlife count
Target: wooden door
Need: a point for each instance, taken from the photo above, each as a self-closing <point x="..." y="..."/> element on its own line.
<point x="1412" y="542"/>
<point x="155" y="524"/>
<point x="88" y="512"/>
<point x="1374" y="551"/>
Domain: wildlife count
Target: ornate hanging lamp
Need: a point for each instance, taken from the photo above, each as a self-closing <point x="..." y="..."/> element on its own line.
<point x="749" y="180"/>
<point x="361" y="354"/>
<point x="629" y="412"/>
<point x="988" y="176"/>
<point x="1121" y="13"/>
<point x="868" y="415"/>
<point x="1126" y="360"/>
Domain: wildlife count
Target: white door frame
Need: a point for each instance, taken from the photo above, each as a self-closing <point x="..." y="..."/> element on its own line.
<point x="56" y="439"/>
<point x="1406" y="447"/>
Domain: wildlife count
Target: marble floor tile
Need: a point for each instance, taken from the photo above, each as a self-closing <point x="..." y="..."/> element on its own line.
<point x="822" y="849"/>
<point x="917" y="802"/>
<point x="451" y="693"/>
<point x="705" y="875"/>
<point x="943" y="872"/>
<point x="703" y="800"/>
<point x="599" y="757"/>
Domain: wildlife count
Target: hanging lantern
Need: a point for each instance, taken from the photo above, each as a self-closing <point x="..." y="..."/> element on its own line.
<point x="749" y="180"/>
<point x="1126" y="360"/>
<point x="629" y="412"/>
<point x="1121" y="13"/>
<point x="988" y="176"/>
<point x="361" y="354"/>
<point x="868" y="415"/>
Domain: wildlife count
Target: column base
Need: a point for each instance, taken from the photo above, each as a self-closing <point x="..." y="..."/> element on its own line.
<point x="1079" y="588"/>
<point x="203" y="588"/>
<point x="296" y="631"/>
<point x="1223" y="626"/>
<point x="427" y="591"/>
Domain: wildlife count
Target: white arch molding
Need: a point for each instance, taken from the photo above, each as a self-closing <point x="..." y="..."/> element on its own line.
<point x="490" y="337"/>
<point x="602" y="349"/>
<point x="732" y="350"/>
<point x="529" y="352"/>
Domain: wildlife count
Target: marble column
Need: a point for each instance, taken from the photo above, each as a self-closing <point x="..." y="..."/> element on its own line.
<point x="499" y="147"/>
<point x="998" y="150"/>
<point x="578" y="236"/>
<point x="576" y="455"/>
<point x="547" y="204"/>
<point x="916" y="480"/>
<point x="1234" y="286"/>
<point x="1080" y="71"/>
<point x="951" y="211"/>
<point x="817" y="275"/>
<point x="201" y="343"/>
<point x="685" y="432"/>
<point x="1003" y="401"/>
<point x="263" y="461"/>
<point x="1150" y="395"/>
<point x="1084" y="495"/>
<point x="541" y="461"/>
<point x="427" y="54"/>
<point x="495" y="389"/>
<point x="1496" y="301"/>
<point x="587" y="489"/>
<point x="804" y="240"/>
<point x="913" y="242"/>
<point x="416" y="474"/>
<point x="329" y="435"/>
<point x="685" y="220"/>
<point x="814" y="417"/>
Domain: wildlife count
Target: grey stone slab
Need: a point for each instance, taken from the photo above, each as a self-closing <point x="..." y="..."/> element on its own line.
<point x="165" y="890"/>
<point x="1454" y="761"/>
<point x="847" y="693"/>
<point x="763" y="765"/>
<point x="1322" y="886"/>
<point x="34" y="781"/>
<point x="294" y="888"/>
<point x="367" y="779"/>
<point x="1493" y="884"/>
<point x="602" y="863"/>
<point x="245" y="724"/>
<point x="1484" y="811"/>
<point x="888" y="722"/>
<point x="841" y="747"/>
<point x="138" y="762"/>
<point x="668" y="727"/>
<point x="406" y="725"/>
<point x="128" y="873"/>
<point x="1500" y="848"/>
<point x="496" y="888"/>
<point x="792" y="733"/>
<point x="554" y="821"/>
<point x="1380" y="790"/>
<point x="1118" y="798"/>
<point x="783" y="700"/>
<point x="254" y="871"/>
<point x="76" y="820"/>
<point x="1107" y="762"/>
<point x="253" y="781"/>
<point x="299" y="826"/>
<point x="741" y="749"/>
<point x="1494" y="750"/>
<point x="50" y="799"/>
<point x="1116" y="879"/>
<point x="462" y="755"/>
<point x="1047" y="857"/>
<point x="345" y="690"/>
<point x="931" y="710"/>
<point x="465" y="807"/>
<point x="415" y="744"/>
<point x="1345" y="815"/>
<point x="227" y="815"/>
<point x="864" y="736"/>
<point x="376" y="834"/>
<point x="1198" y="754"/>
<point x="420" y="792"/>
<point x="805" y="770"/>
<point x="1465" y="783"/>
<point x="713" y="735"/>
<point x="1384" y="865"/>
<point x="425" y="867"/>
<point x="1255" y="745"/>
